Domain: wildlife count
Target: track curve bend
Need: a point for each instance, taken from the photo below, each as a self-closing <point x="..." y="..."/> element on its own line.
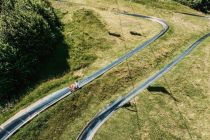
<point x="24" y="116"/>
<point x="92" y="127"/>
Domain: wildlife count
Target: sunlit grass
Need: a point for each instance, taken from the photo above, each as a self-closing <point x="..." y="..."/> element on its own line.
<point x="67" y="118"/>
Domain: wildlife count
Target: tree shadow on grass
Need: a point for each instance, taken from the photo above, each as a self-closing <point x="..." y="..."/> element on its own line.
<point x="128" y="106"/>
<point x="151" y="89"/>
<point x="57" y="63"/>
<point x="162" y="90"/>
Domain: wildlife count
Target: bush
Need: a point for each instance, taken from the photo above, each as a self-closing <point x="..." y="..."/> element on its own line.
<point x="29" y="30"/>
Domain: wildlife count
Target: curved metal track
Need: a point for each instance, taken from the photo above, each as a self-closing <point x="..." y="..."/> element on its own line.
<point x="27" y="114"/>
<point x="91" y="128"/>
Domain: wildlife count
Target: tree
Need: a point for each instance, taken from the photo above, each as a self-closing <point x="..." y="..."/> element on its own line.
<point x="28" y="31"/>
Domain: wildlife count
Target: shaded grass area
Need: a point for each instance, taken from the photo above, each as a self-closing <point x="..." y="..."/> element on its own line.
<point x="66" y="119"/>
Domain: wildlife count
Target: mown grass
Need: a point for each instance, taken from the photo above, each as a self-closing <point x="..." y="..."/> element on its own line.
<point x="178" y="115"/>
<point x="66" y="119"/>
<point x="80" y="34"/>
<point x="158" y="116"/>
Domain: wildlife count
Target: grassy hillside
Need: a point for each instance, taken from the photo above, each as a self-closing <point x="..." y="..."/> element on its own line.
<point x="67" y="118"/>
<point x="180" y="112"/>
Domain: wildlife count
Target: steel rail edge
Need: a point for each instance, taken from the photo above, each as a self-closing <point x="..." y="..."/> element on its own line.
<point x="91" y="128"/>
<point x="25" y="115"/>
